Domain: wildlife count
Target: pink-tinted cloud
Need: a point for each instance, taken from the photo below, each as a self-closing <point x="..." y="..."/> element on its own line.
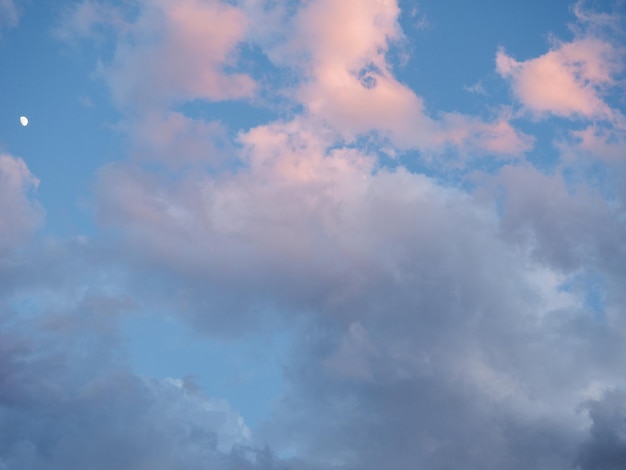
<point x="349" y="82"/>
<point x="164" y="54"/>
<point x="340" y="48"/>
<point x="567" y="81"/>
<point x="19" y="213"/>
<point x="176" y="140"/>
<point x="296" y="152"/>
<point x="175" y="52"/>
<point x="596" y="21"/>
<point x="476" y="137"/>
<point x="270" y="210"/>
<point x="169" y="51"/>
<point x="595" y="142"/>
<point x="84" y="20"/>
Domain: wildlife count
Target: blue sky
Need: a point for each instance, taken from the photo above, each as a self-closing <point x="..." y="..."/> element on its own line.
<point x="319" y="234"/>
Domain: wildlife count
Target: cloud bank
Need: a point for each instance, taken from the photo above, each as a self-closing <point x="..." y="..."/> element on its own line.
<point x="469" y="315"/>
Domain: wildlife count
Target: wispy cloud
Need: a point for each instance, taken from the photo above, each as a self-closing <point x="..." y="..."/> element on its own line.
<point x="9" y="15"/>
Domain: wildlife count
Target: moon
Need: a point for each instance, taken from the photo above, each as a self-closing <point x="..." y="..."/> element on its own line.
<point x="24" y="121"/>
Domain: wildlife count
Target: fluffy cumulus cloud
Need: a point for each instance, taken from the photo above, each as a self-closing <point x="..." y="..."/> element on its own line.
<point x="348" y="82"/>
<point x="351" y="84"/>
<point x="573" y="78"/>
<point x="565" y="81"/>
<point x="435" y="323"/>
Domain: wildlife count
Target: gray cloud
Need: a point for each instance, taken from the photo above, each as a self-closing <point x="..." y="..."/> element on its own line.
<point x="605" y="448"/>
<point x="67" y="399"/>
<point x="420" y="323"/>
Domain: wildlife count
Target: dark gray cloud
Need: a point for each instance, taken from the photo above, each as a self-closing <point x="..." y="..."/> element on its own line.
<point x="605" y="448"/>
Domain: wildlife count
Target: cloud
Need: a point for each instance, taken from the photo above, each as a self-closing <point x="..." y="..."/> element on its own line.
<point x="165" y="53"/>
<point x="567" y="226"/>
<point x="118" y="420"/>
<point x="350" y="83"/>
<point x="336" y="53"/>
<point x="176" y="141"/>
<point x="20" y="214"/>
<point x="159" y="57"/>
<point x="421" y="312"/>
<point x="598" y="22"/>
<point x="352" y="358"/>
<point x="340" y="52"/>
<point x="169" y="54"/>
<point x="9" y="15"/>
<point x="431" y="341"/>
<point x="473" y="136"/>
<point x="417" y="317"/>
<point x="606" y="446"/>
<point x="477" y="88"/>
<point x="595" y="142"/>
<point x="567" y="81"/>
<point x="87" y="20"/>
<point x="276" y="215"/>
<point x="67" y="396"/>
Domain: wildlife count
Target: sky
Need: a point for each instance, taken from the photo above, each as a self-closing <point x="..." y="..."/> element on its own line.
<point x="312" y="234"/>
